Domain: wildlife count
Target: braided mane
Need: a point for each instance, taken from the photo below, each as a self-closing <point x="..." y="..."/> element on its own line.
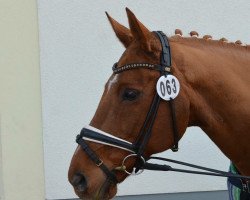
<point x="207" y="39"/>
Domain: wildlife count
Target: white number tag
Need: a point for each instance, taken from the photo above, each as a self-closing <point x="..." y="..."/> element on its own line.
<point x="168" y="87"/>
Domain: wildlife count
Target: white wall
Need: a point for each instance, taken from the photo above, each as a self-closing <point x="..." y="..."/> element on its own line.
<point x="78" y="49"/>
<point x="21" y="148"/>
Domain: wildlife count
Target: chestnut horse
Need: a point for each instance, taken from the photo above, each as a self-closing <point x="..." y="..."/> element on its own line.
<point x="214" y="95"/>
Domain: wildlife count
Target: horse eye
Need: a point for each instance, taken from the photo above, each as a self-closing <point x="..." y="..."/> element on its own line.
<point x="130" y="94"/>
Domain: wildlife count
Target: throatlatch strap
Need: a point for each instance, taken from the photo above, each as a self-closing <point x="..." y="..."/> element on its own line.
<point x="175" y="128"/>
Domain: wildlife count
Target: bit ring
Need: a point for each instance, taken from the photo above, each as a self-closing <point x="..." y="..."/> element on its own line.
<point x="133" y="172"/>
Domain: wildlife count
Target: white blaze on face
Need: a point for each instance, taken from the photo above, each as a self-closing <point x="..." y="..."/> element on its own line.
<point x="112" y="81"/>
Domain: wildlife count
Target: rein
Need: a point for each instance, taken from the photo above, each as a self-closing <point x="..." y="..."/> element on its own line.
<point x="137" y="148"/>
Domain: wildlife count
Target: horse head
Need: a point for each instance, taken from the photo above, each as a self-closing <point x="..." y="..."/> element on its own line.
<point x="122" y="111"/>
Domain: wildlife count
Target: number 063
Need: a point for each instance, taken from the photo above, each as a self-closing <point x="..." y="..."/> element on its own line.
<point x="168" y="87"/>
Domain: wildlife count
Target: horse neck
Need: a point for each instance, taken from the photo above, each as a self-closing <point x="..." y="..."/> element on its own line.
<point x="218" y="88"/>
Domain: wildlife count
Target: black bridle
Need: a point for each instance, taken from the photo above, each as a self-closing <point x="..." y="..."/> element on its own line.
<point x="139" y="145"/>
<point x="137" y="148"/>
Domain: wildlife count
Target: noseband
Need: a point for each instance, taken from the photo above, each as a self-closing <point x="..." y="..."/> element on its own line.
<point x="138" y="147"/>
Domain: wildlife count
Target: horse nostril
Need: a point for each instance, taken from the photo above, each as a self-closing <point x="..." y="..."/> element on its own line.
<point x="79" y="182"/>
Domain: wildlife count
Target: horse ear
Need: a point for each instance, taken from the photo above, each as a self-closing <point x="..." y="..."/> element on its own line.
<point x="138" y="30"/>
<point x="123" y="33"/>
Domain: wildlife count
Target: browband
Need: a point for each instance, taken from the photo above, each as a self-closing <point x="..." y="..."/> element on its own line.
<point x="159" y="68"/>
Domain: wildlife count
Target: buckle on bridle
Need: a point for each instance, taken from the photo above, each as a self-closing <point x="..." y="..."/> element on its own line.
<point x="174" y="148"/>
<point x="99" y="163"/>
<point x="124" y="168"/>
